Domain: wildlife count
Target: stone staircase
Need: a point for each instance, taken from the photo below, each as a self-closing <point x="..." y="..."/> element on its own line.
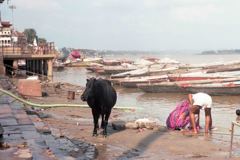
<point x="27" y="137"/>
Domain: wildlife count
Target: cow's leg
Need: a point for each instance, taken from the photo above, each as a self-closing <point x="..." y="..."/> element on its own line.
<point x="105" y="123"/>
<point x="95" y="120"/>
<point x="102" y="123"/>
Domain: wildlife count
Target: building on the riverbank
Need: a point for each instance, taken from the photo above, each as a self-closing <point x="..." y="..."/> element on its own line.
<point x="5" y="34"/>
<point x="14" y="48"/>
<point x="34" y="60"/>
<point x="11" y="41"/>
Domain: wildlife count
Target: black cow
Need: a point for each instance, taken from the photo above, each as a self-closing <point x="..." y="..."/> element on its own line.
<point x="101" y="97"/>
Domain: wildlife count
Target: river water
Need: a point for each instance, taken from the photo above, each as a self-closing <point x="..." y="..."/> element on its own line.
<point x="159" y="105"/>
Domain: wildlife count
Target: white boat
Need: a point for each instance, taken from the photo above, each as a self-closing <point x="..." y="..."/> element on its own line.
<point x="131" y="82"/>
<point x="188" y="86"/>
<point x="201" y="75"/>
<point x="146" y="71"/>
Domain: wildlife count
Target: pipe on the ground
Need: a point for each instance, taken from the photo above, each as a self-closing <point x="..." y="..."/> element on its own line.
<point x="54" y="105"/>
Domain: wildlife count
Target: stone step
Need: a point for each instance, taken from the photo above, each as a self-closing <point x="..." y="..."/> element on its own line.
<point x="29" y="138"/>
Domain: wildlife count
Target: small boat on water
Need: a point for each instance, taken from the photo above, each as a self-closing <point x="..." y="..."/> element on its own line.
<point x="228" y="88"/>
<point x="124" y="69"/>
<point x="183" y="86"/>
<point x="162" y="87"/>
<point x="82" y="62"/>
<point x="211" y="66"/>
<point x="226" y="68"/>
<point x="108" y="62"/>
<point x="222" y="65"/>
<point x="132" y="73"/>
<point x="108" y="70"/>
<point x="147" y="71"/>
<point x="115" y="62"/>
<point x="94" y="67"/>
<point x="131" y="82"/>
<point x="77" y="64"/>
<point x="93" y="59"/>
<point x="58" y="66"/>
<point x="200" y="75"/>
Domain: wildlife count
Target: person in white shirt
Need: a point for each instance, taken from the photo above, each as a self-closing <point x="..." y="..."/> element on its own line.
<point x="200" y="101"/>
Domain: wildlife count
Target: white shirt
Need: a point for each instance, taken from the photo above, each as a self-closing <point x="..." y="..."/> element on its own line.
<point x="202" y="99"/>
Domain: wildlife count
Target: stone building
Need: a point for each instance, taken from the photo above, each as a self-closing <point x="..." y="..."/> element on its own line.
<point x="5" y="34"/>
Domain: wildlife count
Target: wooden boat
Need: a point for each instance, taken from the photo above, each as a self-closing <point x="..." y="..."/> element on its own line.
<point x="131" y="82"/>
<point x="128" y="61"/>
<point x="162" y="87"/>
<point x="132" y="73"/>
<point x="167" y="61"/>
<point x="94" y="67"/>
<point x="195" y="76"/>
<point x="143" y="62"/>
<point x="92" y="59"/>
<point x="202" y="75"/>
<point x="82" y="62"/>
<point x="111" y="62"/>
<point x="78" y="64"/>
<point x="115" y="62"/>
<point x="109" y="70"/>
<point x="211" y="66"/>
<point x="140" y="67"/>
<point x="226" y="68"/>
<point x="229" y="88"/>
<point x="57" y="66"/>
<point x="222" y="64"/>
<point x="145" y="71"/>
<point x="181" y="86"/>
<point x="207" y="81"/>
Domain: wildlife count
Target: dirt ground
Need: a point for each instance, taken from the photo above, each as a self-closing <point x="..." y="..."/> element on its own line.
<point x="76" y="123"/>
<point x="160" y="143"/>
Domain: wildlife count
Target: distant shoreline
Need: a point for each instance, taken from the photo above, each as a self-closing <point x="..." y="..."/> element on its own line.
<point x="220" y="52"/>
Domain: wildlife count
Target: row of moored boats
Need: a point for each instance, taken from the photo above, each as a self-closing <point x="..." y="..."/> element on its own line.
<point x="167" y="75"/>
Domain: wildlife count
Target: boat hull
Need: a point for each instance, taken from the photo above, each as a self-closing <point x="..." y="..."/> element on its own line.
<point x="162" y="88"/>
<point x="215" y="90"/>
<point x="134" y="84"/>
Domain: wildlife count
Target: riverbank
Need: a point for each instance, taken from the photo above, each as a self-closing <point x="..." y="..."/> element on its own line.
<point x="76" y="123"/>
<point x="23" y="134"/>
<point x="160" y="143"/>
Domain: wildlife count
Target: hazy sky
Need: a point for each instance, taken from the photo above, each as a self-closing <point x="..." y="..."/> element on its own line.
<point x="131" y="24"/>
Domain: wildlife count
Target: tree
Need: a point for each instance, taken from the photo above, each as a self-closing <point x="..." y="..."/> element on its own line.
<point x="31" y="34"/>
<point x="41" y="41"/>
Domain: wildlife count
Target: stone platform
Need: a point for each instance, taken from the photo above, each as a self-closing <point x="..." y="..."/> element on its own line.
<point x="26" y="137"/>
<point x="20" y="137"/>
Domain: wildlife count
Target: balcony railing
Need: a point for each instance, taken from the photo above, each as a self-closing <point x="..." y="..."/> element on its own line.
<point x="16" y="50"/>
